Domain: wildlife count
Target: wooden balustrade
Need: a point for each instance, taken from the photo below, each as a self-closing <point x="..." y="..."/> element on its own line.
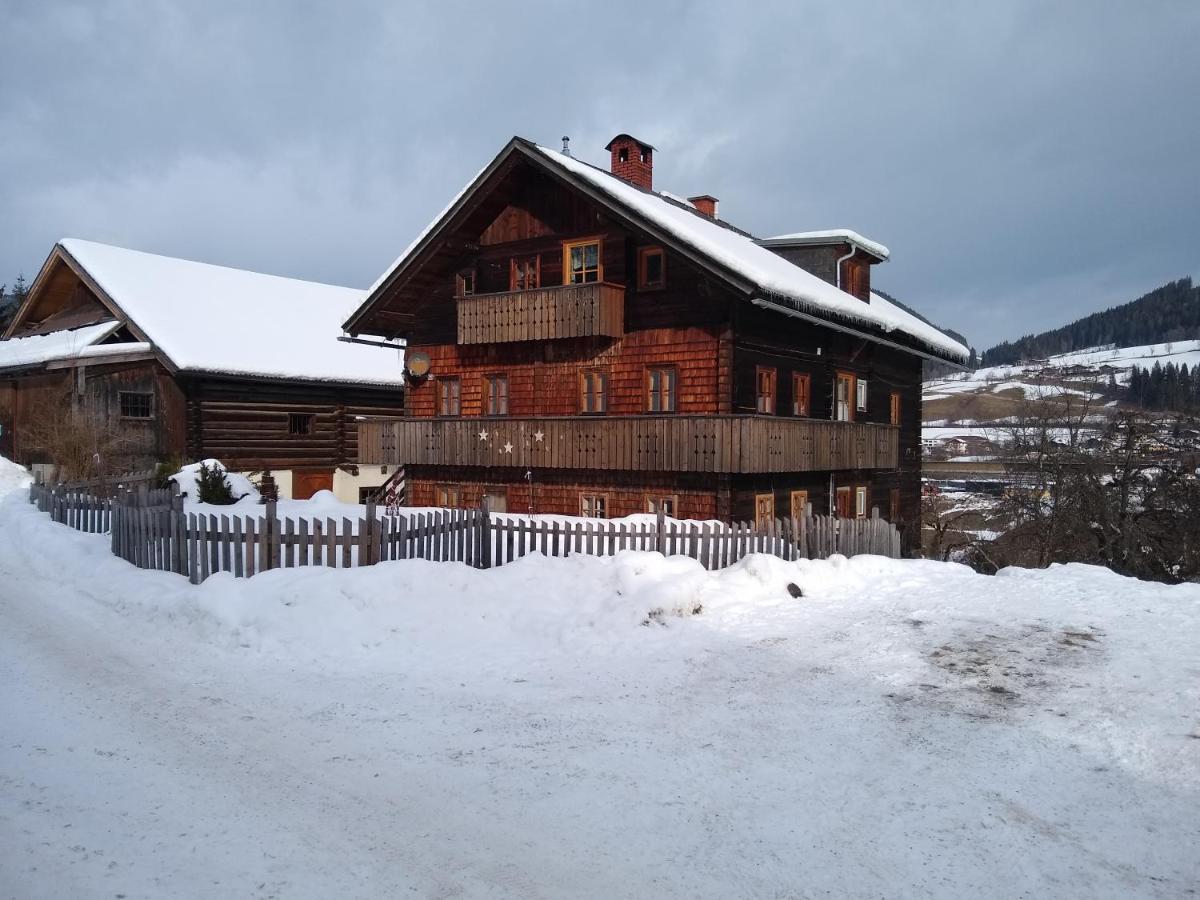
<point x="565" y="311"/>
<point x="729" y="443"/>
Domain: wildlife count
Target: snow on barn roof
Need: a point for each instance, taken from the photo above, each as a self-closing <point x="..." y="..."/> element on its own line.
<point x="68" y="343"/>
<point x="825" y="237"/>
<point x="211" y="318"/>
<point x="774" y="276"/>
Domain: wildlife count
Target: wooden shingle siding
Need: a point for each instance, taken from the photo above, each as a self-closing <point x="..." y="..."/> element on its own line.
<point x="637" y="443"/>
<point x="548" y="313"/>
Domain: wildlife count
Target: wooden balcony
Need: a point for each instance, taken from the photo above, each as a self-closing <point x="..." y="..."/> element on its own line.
<point x="566" y="311"/>
<point x="734" y="444"/>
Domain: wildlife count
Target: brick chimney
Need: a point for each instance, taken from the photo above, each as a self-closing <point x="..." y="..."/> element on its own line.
<point x="632" y="160"/>
<point x="705" y="203"/>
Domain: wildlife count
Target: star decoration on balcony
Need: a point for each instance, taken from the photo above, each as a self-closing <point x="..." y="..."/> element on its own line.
<point x="538" y="435"/>
<point x="483" y="435"/>
<point x="508" y="447"/>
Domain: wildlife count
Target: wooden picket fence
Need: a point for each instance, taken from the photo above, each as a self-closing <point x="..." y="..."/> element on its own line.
<point x="150" y="529"/>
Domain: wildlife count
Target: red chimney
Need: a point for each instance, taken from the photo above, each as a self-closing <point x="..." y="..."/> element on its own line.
<point x="706" y="204"/>
<point x="632" y="160"/>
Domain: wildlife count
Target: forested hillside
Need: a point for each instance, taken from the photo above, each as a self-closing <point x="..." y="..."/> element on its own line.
<point x="1171" y="313"/>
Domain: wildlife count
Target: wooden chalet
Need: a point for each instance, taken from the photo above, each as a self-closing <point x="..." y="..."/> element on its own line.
<point x="184" y="360"/>
<point x="579" y="343"/>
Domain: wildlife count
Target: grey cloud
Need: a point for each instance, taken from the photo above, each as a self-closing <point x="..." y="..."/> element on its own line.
<point x="1026" y="162"/>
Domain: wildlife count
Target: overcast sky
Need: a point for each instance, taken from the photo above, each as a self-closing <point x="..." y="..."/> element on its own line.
<point x="1025" y="162"/>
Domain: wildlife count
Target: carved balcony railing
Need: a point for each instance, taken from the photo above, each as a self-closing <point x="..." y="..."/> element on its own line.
<point x="566" y="311"/>
<point x="633" y="443"/>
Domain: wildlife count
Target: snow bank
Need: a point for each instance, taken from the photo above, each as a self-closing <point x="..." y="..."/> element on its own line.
<point x="594" y="727"/>
<point x="12" y="477"/>
<point x="243" y="489"/>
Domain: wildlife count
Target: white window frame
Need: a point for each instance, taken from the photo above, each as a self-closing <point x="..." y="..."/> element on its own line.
<point x="860" y="400"/>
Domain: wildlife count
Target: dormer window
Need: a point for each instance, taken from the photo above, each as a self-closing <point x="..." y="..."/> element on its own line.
<point x="581" y="262"/>
<point x="652" y="269"/>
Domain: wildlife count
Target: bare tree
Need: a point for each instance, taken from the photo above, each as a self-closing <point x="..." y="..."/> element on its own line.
<point x="81" y="441"/>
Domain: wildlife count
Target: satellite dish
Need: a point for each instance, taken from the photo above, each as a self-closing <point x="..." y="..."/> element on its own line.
<point x="417" y="363"/>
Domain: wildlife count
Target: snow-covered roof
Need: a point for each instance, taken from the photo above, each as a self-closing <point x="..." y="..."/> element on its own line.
<point x="825" y="237"/>
<point x="66" y="344"/>
<point x="216" y="319"/>
<point x="773" y="275"/>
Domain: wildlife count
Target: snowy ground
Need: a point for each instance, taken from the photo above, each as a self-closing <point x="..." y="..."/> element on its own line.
<point x="416" y="729"/>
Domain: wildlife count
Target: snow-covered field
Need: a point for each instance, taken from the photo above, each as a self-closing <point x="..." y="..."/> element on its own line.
<point x="903" y="729"/>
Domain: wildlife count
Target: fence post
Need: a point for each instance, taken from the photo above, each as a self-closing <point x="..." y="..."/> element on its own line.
<point x="366" y="547"/>
<point x="660" y="534"/>
<point x="485" y="536"/>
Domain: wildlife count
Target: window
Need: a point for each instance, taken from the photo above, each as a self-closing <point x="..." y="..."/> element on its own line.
<point x="581" y="262"/>
<point x="660" y="390"/>
<point x="799" y="501"/>
<point x="524" y="273"/>
<point x="593" y="392"/>
<point x="860" y="393"/>
<point x="843" y="499"/>
<point x="860" y="501"/>
<point x="652" y="268"/>
<point x="764" y="381"/>
<point x="496" y="500"/>
<point x="843" y="393"/>
<point x="466" y="282"/>
<point x="300" y="423"/>
<point x="895" y="408"/>
<point x="495" y="395"/>
<point x="449" y="397"/>
<point x="666" y="505"/>
<point x="135" y="405"/>
<point x="448" y="495"/>
<point x="854" y="280"/>
<point x="764" y="510"/>
<point x="593" y="506"/>
<point x="801" y="386"/>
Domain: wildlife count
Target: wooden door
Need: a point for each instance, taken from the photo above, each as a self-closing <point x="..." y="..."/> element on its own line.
<point x="305" y="484"/>
<point x="845" y="505"/>
<point x="764" y="510"/>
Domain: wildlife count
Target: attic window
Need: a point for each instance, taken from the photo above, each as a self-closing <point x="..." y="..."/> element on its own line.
<point x="300" y="423"/>
<point x="651" y="268"/>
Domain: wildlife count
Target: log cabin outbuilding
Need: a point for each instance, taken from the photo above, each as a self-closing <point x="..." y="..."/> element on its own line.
<point x="580" y="343"/>
<point x="186" y="360"/>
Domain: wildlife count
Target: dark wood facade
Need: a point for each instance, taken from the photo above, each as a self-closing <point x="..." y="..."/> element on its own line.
<point x="711" y="442"/>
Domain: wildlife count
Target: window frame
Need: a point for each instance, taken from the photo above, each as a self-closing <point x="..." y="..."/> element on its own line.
<point x="442" y="494"/>
<point x="490" y="381"/>
<point x="862" y="397"/>
<point x="772" y="394"/>
<point x="309" y="423"/>
<point x="440" y="400"/>
<point x="653" y="500"/>
<point x="513" y="262"/>
<point x="568" y="246"/>
<point x="643" y="255"/>
<point x="584" y="497"/>
<point x="802" y="497"/>
<point x="894" y="408"/>
<point x="851" y="395"/>
<point x="861" y="501"/>
<point x="802" y="379"/>
<point x="149" y="395"/>
<point x="672" y="390"/>
<point x="584" y="376"/>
